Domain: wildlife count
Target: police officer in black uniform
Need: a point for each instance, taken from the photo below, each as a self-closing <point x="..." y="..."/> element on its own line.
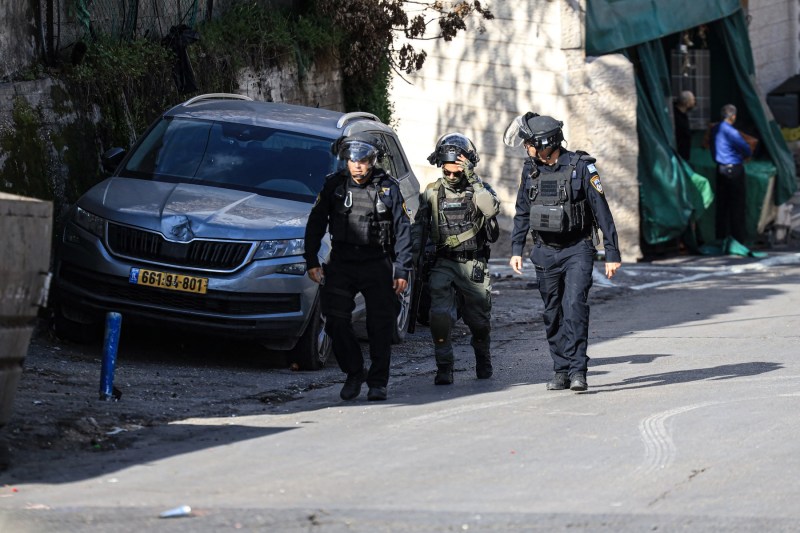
<point x="562" y="202"/>
<point x="363" y="209"/>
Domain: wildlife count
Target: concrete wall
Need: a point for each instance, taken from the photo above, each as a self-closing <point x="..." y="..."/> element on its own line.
<point x="529" y="58"/>
<point x="321" y="86"/>
<point x="17" y="41"/>
<point x="774" y="35"/>
<point x="45" y="165"/>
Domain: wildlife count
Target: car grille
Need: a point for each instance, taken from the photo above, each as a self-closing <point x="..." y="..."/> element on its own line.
<point x="117" y="290"/>
<point x="199" y="254"/>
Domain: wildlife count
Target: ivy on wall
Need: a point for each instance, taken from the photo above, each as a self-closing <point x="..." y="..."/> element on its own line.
<point x="28" y="156"/>
<point x="128" y="81"/>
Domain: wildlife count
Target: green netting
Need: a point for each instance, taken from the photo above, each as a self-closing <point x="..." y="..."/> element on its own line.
<point x="613" y="25"/>
<point x="130" y="18"/>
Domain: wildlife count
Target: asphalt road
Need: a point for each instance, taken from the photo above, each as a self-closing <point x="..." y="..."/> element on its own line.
<point x="690" y="423"/>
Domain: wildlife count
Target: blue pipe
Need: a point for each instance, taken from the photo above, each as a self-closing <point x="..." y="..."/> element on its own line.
<point x="110" y="345"/>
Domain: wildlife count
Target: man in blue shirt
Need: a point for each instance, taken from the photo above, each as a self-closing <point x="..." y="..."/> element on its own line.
<point x="729" y="150"/>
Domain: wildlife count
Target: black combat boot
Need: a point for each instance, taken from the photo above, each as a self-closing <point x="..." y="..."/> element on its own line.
<point x="483" y="358"/>
<point x="376" y="394"/>
<point x="483" y="366"/>
<point x="578" y="381"/>
<point x="444" y="375"/>
<point x="560" y="381"/>
<point x="352" y="385"/>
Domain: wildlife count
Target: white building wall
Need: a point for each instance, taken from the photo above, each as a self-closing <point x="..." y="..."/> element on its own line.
<point x="531" y="57"/>
<point x="774" y="32"/>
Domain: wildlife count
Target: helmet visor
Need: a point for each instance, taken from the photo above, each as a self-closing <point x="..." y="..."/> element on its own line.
<point x="517" y="132"/>
<point x="358" y="151"/>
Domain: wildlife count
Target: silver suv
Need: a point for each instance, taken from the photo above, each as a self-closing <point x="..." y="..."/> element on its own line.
<point x="201" y="225"/>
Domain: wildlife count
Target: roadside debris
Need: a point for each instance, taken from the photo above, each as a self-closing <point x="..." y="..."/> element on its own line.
<point x="177" y="512"/>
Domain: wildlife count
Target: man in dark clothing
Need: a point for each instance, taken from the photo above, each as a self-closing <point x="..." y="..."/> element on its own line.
<point x="363" y="209"/>
<point x="729" y="150"/>
<point x="561" y="201"/>
<point x="683" y="130"/>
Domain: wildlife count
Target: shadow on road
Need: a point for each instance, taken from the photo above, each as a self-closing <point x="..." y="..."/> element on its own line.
<point x="720" y="372"/>
<point x="521" y="358"/>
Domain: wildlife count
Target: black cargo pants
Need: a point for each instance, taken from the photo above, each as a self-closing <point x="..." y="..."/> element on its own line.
<point x="373" y="278"/>
<point x="565" y="277"/>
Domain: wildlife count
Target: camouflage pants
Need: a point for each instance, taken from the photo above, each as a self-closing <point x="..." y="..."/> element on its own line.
<point x="448" y="276"/>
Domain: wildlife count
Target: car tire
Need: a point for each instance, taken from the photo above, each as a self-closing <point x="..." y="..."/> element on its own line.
<point x="403" y="311"/>
<point x="71" y="330"/>
<point x="314" y="348"/>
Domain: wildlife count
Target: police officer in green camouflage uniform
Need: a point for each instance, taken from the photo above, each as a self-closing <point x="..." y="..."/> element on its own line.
<point x="456" y="210"/>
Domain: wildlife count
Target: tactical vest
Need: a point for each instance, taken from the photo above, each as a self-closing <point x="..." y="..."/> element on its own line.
<point x="359" y="215"/>
<point x="455" y="222"/>
<point x="553" y="200"/>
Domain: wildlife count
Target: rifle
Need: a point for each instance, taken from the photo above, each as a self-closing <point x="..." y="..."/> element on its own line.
<point x="416" y="290"/>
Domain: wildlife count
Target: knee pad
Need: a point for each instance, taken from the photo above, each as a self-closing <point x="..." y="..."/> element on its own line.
<point x="440" y="325"/>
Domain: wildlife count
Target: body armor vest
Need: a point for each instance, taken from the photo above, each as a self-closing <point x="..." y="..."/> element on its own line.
<point x="554" y="207"/>
<point x="455" y="217"/>
<point x="359" y="215"/>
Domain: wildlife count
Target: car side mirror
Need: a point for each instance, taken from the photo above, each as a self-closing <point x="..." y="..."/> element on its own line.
<point x="112" y="158"/>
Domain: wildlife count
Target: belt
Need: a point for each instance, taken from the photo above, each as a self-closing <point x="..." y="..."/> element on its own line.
<point x="463" y="257"/>
<point x="560" y="246"/>
<point x="729" y="165"/>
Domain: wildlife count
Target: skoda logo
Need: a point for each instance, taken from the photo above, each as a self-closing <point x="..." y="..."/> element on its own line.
<point x="182" y="231"/>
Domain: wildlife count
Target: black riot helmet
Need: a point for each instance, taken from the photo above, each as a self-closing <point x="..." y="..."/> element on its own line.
<point x="450" y="146"/>
<point x="539" y="131"/>
<point x="358" y="147"/>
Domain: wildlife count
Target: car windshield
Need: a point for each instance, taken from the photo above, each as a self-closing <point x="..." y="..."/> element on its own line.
<point x="267" y="161"/>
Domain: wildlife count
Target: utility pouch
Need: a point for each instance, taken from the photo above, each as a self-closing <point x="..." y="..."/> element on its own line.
<point x="550" y="218"/>
<point x="477" y="272"/>
<point x="385" y="234"/>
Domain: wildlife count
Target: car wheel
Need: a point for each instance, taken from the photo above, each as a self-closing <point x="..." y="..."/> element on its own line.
<point x="403" y="311"/>
<point x="72" y="330"/>
<point x="314" y="347"/>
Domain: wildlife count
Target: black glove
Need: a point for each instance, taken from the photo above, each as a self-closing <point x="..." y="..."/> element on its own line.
<point x="469" y="172"/>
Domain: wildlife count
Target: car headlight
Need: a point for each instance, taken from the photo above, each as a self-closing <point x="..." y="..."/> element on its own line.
<point x="90" y="222"/>
<point x="282" y="248"/>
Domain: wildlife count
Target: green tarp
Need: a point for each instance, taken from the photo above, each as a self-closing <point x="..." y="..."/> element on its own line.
<point x="674" y="194"/>
<point x="612" y="25"/>
<point x="732" y="32"/>
<point x="671" y="196"/>
<point x="759" y="174"/>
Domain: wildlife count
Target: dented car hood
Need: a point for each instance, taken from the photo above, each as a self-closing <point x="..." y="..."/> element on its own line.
<point x="182" y="211"/>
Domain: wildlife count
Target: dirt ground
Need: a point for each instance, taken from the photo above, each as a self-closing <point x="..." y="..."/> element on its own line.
<point x="164" y="377"/>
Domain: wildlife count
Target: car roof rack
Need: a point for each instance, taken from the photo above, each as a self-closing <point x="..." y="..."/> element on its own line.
<point x="356" y="115"/>
<point x="216" y="96"/>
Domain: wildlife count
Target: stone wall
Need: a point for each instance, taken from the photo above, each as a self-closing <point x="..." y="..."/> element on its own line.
<point x="51" y="150"/>
<point x="320" y="86"/>
<point x="530" y="58"/>
<point x="773" y="28"/>
<point x="17" y="38"/>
